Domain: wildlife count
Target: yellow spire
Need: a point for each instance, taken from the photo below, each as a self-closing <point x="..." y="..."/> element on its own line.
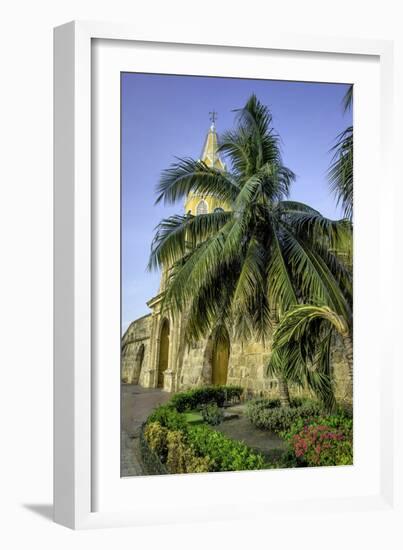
<point x="210" y="149"/>
<point x="196" y="203"/>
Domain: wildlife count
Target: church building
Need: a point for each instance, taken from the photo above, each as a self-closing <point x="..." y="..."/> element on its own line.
<point x="154" y="354"/>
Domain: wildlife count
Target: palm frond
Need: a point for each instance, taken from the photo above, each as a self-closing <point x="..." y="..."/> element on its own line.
<point x="194" y="176"/>
<point x="176" y="235"/>
<point x="348" y="99"/>
<point x="302" y="348"/>
<point x="287" y="205"/>
<point x="317" y="228"/>
<point x="340" y="173"/>
<point x="280" y="286"/>
<point x="313" y="277"/>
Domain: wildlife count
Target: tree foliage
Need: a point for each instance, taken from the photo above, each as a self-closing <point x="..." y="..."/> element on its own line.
<point x="242" y="269"/>
<point x="341" y="169"/>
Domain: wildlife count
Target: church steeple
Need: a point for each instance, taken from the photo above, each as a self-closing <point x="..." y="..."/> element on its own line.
<point x="195" y="202"/>
<point x="210" y="149"/>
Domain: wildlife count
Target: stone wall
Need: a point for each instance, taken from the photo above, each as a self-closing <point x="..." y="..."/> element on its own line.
<point x="191" y="366"/>
<point x="246" y="368"/>
<point x="343" y="384"/>
<point x="135" y="351"/>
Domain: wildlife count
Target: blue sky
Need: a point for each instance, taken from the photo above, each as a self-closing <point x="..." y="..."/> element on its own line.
<point x="167" y="116"/>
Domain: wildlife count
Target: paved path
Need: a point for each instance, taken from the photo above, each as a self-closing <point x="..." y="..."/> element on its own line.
<point x="268" y="443"/>
<point x="137" y="404"/>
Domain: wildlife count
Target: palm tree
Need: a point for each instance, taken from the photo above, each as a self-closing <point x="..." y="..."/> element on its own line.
<point x="245" y="267"/>
<point x="341" y="169"/>
<point x="303" y="342"/>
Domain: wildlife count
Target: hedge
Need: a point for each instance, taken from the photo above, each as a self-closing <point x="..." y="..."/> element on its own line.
<point x="168" y="417"/>
<point x="226" y="454"/>
<point x="268" y="415"/>
<point x="197" y="397"/>
<point x="151" y="460"/>
<point x="167" y="451"/>
<point x="196" y="449"/>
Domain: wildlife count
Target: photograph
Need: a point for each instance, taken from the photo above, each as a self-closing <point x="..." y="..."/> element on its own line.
<point x="202" y="264"/>
<point x="236" y="274"/>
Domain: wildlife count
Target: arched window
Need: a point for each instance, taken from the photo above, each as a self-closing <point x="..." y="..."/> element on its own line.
<point x="202" y="207"/>
<point x="218" y="209"/>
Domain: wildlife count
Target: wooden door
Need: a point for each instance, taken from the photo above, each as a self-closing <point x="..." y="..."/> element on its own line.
<point x="220" y="363"/>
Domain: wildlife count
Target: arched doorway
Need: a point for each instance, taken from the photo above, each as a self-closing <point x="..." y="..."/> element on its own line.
<point x="164" y="352"/>
<point x="220" y="358"/>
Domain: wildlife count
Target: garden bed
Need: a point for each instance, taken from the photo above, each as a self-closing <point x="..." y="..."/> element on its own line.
<point x="270" y="445"/>
<point x="177" y="438"/>
<point x="194" y="433"/>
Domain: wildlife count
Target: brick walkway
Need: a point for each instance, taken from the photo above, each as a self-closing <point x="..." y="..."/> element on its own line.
<point x="137" y="403"/>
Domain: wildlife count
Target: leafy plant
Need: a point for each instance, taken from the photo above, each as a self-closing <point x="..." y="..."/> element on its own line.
<point x="263" y="403"/>
<point x="319" y="445"/>
<point x="225" y="453"/>
<point x="198" y="449"/>
<point x="212" y="414"/>
<point x="264" y="414"/>
<point x="197" y="397"/>
<point x="156" y="437"/>
<point x="173" y="451"/>
<point x="323" y="441"/>
<point x="181" y="458"/>
<point x="284" y="459"/>
<point x="340" y="421"/>
<point x="168" y="417"/>
<point x="153" y="460"/>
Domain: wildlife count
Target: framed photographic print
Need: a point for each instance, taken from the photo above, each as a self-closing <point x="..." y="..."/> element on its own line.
<point x="209" y="287"/>
<point x="213" y="360"/>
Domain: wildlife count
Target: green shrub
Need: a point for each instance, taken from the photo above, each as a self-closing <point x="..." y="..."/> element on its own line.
<point x="226" y="454"/>
<point x="338" y="421"/>
<point x="212" y="414"/>
<point x="287" y="459"/>
<point x="193" y="399"/>
<point x="199" y="449"/>
<point x="233" y="393"/>
<point x="267" y="415"/>
<point x="156" y="436"/>
<point x="152" y="461"/>
<point x="262" y="403"/>
<point x="168" y="417"/>
<point x="320" y="445"/>
<point x="181" y="458"/>
<point x="322" y="441"/>
<point x="168" y="452"/>
<point x="178" y="447"/>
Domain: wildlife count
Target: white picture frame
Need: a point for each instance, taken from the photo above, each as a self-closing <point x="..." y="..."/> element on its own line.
<point x="87" y="492"/>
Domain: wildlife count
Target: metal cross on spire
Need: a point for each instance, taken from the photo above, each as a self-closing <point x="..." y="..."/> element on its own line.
<point x="213" y="118"/>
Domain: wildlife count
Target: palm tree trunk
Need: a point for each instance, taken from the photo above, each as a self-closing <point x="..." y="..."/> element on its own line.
<point x="284" y="394"/>
<point x="283" y="391"/>
<point x="348" y="352"/>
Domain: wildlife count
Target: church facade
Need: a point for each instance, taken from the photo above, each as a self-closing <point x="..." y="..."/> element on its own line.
<point x="154" y="354"/>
